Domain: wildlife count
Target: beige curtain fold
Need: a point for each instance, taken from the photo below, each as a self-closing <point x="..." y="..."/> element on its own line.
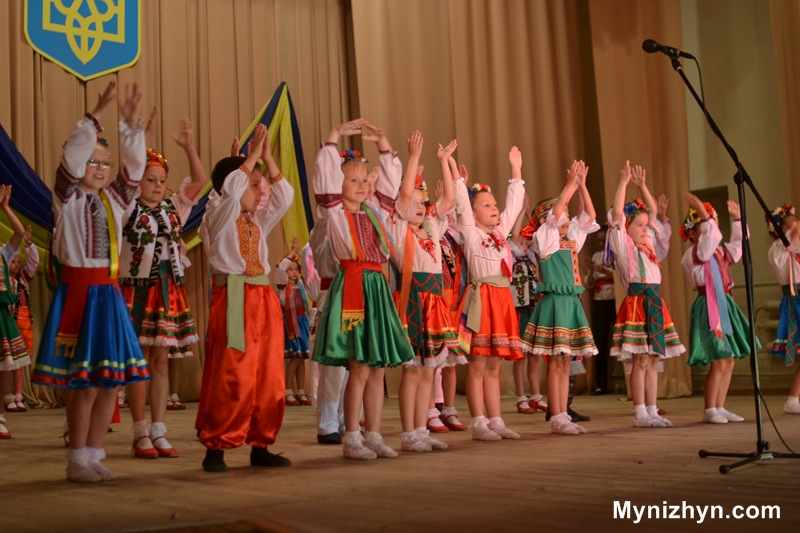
<point x="642" y="114"/>
<point x="216" y="61"/>
<point x="785" y="16"/>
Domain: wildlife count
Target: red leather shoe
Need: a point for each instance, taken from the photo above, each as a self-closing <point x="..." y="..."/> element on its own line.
<point x="304" y="400"/>
<point x="4" y="433"/>
<point x="436" y="429"/>
<point x="538" y="405"/>
<point x="164" y="452"/>
<point x="293" y="401"/>
<point x="661" y="412"/>
<point x="143" y="453"/>
<point x="450" y="425"/>
<point x="525" y="410"/>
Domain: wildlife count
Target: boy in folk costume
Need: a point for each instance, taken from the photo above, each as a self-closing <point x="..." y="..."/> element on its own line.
<point x="88" y="344"/>
<point x="785" y="264"/>
<point x="644" y="331"/>
<point x="13" y="351"/>
<point x="558" y="328"/>
<point x="415" y="230"/>
<point x="719" y="329"/>
<point x="524" y="281"/>
<point x="294" y="300"/>
<point x="243" y="381"/>
<point x="359" y="326"/>
<point x="21" y="311"/>
<point x="491" y="332"/>
<point x="153" y="286"/>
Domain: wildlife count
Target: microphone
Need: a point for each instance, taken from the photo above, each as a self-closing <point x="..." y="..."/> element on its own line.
<point x="650" y="46"/>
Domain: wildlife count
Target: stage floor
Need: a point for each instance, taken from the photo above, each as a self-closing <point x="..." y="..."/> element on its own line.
<point x="541" y="482"/>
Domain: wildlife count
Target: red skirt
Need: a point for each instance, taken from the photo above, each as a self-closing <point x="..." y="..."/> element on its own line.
<point x="499" y="332"/>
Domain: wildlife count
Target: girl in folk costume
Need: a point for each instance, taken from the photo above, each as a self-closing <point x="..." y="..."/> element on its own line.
<point x="242" y="395"/>
<point x="719" y="329"/>
<point x="21" y="311"/>
<point x="558" y="328"/>
<point x="294" y="299"/>
<point x="490" y="333"/>
<point x="644" y="331"/>
<point x="13" y="351"/>
<point x="786" y="266"/>
<point x="359" y="326"/>
<point x="423" y="311"/>
<point x="152" y="283"/>
<point x="88" y="345"/>
<point x="524" y="280"/>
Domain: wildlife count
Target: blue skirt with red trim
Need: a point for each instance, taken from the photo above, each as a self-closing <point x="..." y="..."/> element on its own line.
<point x="107" y="353"/>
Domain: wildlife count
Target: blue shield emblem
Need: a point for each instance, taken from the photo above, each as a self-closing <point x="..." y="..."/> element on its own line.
<point x="88" y="38"/>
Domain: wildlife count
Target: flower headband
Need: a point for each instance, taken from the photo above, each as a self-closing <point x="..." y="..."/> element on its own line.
<point x="693" y="218"/>
<point x="778" y="216"/>
<point x="102" y="141"/>
<point x="351" y="155"/>
<point x="475" y="188"/>
<point x="631" y="210"/>
<point x="156" y="159"/>
<point x="420" y="185"/>
<point x="295" y="260"/>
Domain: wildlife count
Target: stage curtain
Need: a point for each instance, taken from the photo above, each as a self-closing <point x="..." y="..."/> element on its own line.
<point x="642" y="114"/>
<point x="785" y="16"/>
<point x="216" y="61"/>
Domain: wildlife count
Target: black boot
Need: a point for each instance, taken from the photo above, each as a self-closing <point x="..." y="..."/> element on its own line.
<point x="576" y="417"/>
<point x="547" y="415"/>
<point x="214" y="461"/>
<point x="330" y="438"/>
<point x="262" y="457"/>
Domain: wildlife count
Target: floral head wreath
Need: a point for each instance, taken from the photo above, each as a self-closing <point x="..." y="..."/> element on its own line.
<point x="352" y="155"/>
<point x="693" y="218"/>
<point x="295" y="260"/>
<point x="156" y="159"/>
<point x="475" y="188"/>
<point x="539" y="214"/>
<point x="420" y="185"/>
<point x="634" y="208"/>
<point x="778" y="216"/>
<point x="102" y="141"/>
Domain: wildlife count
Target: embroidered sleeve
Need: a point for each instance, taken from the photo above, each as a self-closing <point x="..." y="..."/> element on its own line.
<point x="225" y="208"/>
<point x="76" y="152"/>
<point x="328" y="179"/>
<point x="133" y="152"/>
<point x="546" y="239"/>
<point x="661" y="233"/>
<point x="388" y="184"/>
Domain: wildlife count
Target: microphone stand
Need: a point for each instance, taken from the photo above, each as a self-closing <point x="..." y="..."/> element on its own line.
<point x="741" y="178"/>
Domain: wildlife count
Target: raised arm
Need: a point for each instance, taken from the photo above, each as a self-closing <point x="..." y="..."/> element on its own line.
<point x="568" y="191"/>
<point x="406" y="192"/>
<point x="734" y="246"/>
<point x="185" y="139"/>
<point x="709" y="237"/>
<point x="132" y="147"/>
<point x="639" y="179"/>
<point x="16" y="225"/>
<point x="464" y="216"/>
<point x="446" y="164"/>
<point x="516" y="236"/>
<point x="619" y="196"/>
<point x="586" y="199"/>
<point x="515" y="193"/>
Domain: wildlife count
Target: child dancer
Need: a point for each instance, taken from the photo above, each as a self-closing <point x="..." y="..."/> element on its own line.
<point x="242" y="399"/>
<point x="644" y="331"/>
<point x="423" y="311"/>
<point x="491" y="331"/>
<point x="719" y="328"/>
<point x="786" y="266"/>
<point x="13" y="352"/>
<point x="88" y="343"/>
<point x="152" y="285"/>
<point x="21" y="310"/>
<point x="359" y="326"/>
<point x="558" y="328"/>
<point x="294" y="300"/>
<point x="523" y="288"/>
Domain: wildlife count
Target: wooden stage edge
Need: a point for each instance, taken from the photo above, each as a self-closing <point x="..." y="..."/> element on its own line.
<point x="541" y="482"/>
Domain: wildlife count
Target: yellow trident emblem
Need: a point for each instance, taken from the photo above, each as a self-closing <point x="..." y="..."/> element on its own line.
<point x="85" y="34"/>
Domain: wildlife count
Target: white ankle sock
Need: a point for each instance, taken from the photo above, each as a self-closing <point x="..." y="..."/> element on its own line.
<point x="640" y="411"/>
<point x="140" y="429"/>
<point x="289" y="392"/>
<point x="652" y="410"/>
<point x="522" y="399"/>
